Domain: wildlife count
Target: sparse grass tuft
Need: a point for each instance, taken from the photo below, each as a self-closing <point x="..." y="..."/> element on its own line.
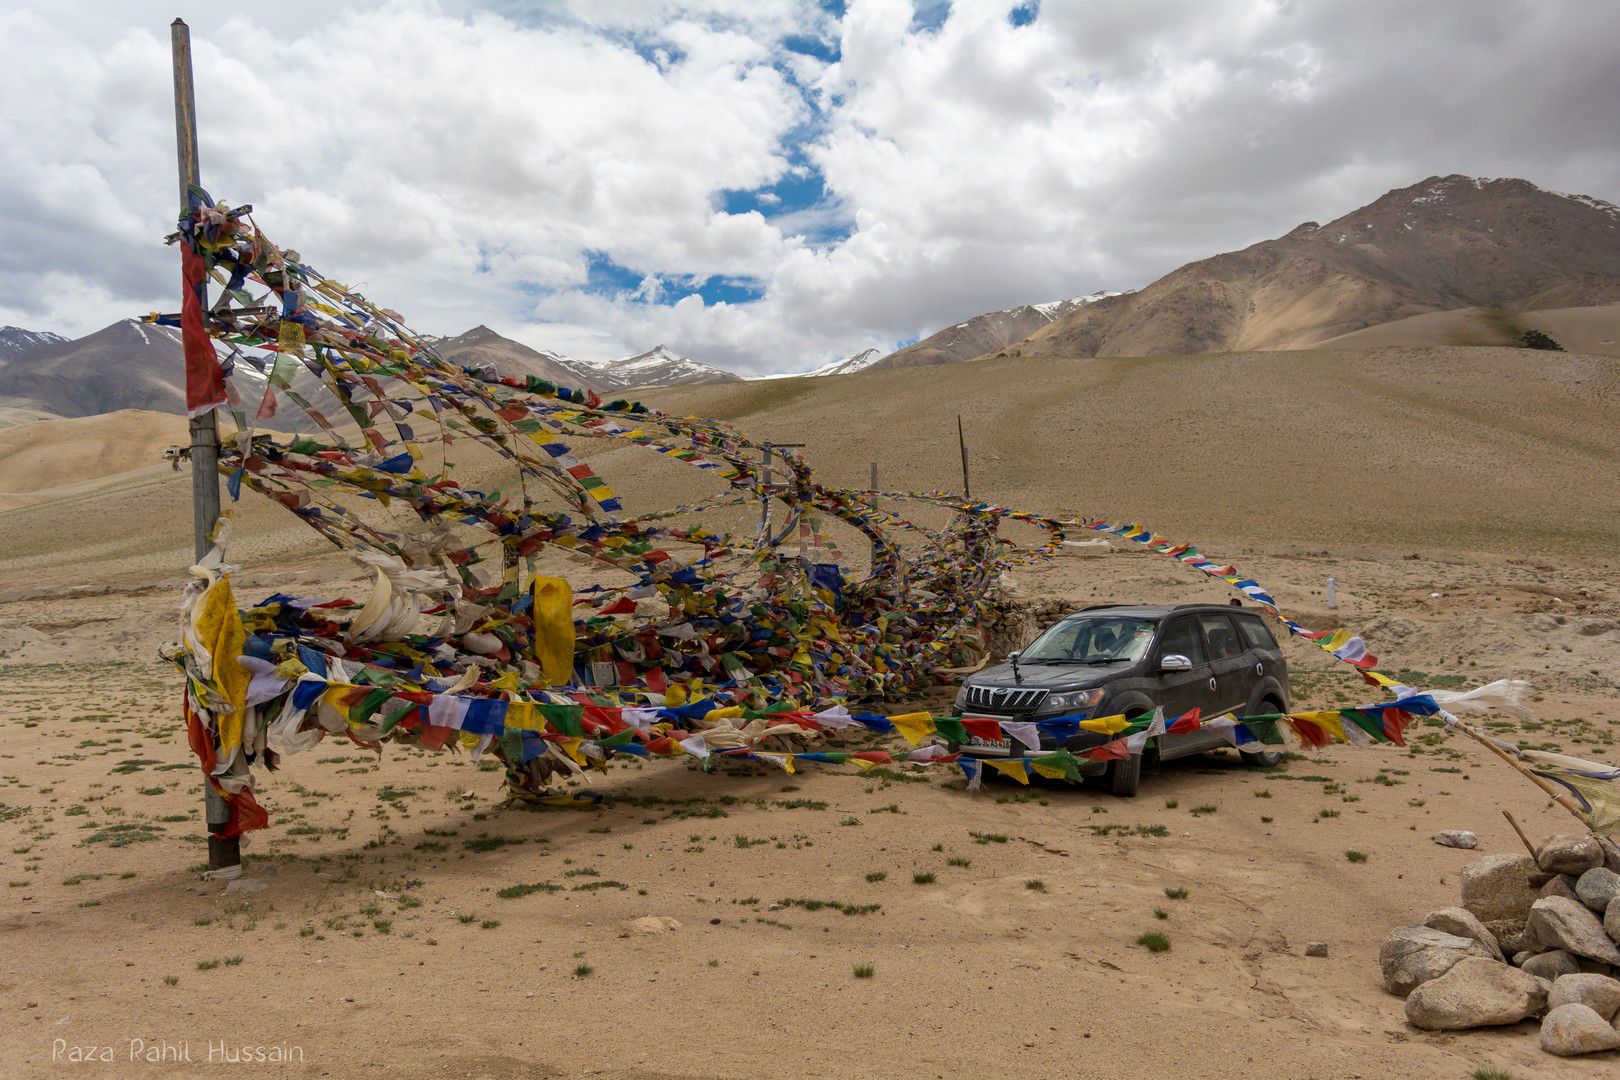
<point x="1177" y="892"/>
<point x="1154" y="941"/>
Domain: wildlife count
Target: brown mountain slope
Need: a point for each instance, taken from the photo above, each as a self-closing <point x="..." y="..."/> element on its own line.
<point x="482" y="346"/>
<point x="128" y="365"/>
<point x="983" y="333"/>
<point x="1444" y="243"/>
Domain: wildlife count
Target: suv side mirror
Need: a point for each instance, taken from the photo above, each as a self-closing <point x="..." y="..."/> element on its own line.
<point x="1012" y="657"/>
<point x="1175" y="662"/>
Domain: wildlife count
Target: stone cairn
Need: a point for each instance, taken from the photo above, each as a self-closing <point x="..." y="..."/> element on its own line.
<point x="1533" y="938"/>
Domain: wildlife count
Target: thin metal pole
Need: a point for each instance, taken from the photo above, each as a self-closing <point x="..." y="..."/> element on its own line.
<point x="222" y="853"/>
<point x="961" y="441"/>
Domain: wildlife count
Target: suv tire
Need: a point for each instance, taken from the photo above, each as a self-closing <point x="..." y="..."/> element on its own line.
<point x="1263" y="759"/>
<point x="1125" y="776"/>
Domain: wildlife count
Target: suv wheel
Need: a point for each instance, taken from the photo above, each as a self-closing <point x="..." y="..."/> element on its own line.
<point x="1125" y="776"/>
<point x="1259" y="759"/>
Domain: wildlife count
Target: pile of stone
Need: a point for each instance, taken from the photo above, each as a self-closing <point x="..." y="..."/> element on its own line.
<point x="1533" y="938"/>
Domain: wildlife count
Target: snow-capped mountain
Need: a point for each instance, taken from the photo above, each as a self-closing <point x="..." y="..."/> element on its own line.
<point x="14" y="341"/>
<point x="658" y="366"/>
<point x="849" y="364"/>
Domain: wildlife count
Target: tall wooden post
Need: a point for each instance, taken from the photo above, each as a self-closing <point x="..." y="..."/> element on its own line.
<point x="961" y="441"/>
<point x="222" y="854"/>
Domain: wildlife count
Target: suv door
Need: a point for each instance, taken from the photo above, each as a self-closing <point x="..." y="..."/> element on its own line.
<point x="1179" y="691"/>
<point x="1230" y="665"/>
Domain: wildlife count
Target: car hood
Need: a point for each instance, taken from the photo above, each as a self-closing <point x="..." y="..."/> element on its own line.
<point x="1056" y="677"/>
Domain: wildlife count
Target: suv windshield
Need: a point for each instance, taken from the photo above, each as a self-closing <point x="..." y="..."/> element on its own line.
<point x="1092" y="639"/>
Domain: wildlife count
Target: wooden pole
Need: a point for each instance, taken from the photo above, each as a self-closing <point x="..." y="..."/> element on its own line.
<point x="961" y="442"/>
<point x="1523" y="839"/>
<point x="223" y="854"/>
<point x="766" y="476"/>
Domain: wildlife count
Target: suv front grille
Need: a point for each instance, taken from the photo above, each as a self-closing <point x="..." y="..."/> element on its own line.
<point x="1004" y="699"/>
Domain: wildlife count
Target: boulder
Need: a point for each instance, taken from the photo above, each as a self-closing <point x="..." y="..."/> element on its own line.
<point x="1561" y="885"/>
<point x="1457" y="838"/>
<point x="1575" y="1029"/>
<point x="647" y="925"/>
<point x="1611" y="920"/>
<point x="1560" y="923"/>
<point x="1569" y="853"/>
<point x="1511" y="938"/>
<point x="1599" y="993"/>
<point x="1501" y="888"/>
<point x="1550" y="965"/>
<point x="1597" y="887"/>
<point x="1464" y="923"/>
<point x="1415" y="954"/>
<point x="1476" y="992"/>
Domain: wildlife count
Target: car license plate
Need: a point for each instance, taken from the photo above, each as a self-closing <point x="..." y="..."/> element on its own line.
<point x="976" y="745"/>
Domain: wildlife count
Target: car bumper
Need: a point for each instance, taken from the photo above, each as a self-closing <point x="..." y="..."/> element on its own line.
<point x="1075" y="744"/>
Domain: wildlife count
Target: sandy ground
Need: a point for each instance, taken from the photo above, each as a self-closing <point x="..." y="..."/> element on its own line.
<point x="382" y="943"/>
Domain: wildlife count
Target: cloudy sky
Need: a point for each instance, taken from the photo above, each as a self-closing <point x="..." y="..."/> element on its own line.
<point x="763" y="184"/>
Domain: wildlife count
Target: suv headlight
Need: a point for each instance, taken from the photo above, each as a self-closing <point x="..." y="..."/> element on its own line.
<point x="1075" y="699"/>
<point x="961" y="696"/>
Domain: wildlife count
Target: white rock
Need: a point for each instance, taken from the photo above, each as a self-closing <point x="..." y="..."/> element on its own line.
<point x="1413" y="955"/>
<point x="1457" y="838"/>
<point x="1476" y="992"/>
<point x="1464" y="923"/>
<point x="1569" y="853"/>
<point x="1560" y="923"/>
<point x="1575" y="1029"/>
<point x="1597" y="887"/>
<point x="1599" y="993"/>
<point x="1553" y="964"/>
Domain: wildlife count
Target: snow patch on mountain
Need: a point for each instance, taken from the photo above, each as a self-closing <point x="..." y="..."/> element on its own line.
<point x="849" y="364"/>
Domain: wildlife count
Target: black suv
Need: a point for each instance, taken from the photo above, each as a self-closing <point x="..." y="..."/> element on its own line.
<point x="1113" y="658"/>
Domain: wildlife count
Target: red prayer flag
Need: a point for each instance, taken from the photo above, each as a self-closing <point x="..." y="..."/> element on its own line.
<point x="1187" y="722"/>
<point x="205" y="382"/>
<point x="981" y="728"/>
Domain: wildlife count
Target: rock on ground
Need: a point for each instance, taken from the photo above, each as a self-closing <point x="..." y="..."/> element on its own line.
<point x="1476" y="992"/>
<point x="648" y="924"/>
<point x="1599" y="993"/>
<point x="1560" y="923"/>
<point x="1570" y="853"/>
<point x="1464" y="923"/>
<point x="1561" y="885"/>
<point x="1575" y="1029"/>
<point x="1501" y="888"/>
<point x="1413" y="955"/>
<point x="1457" y="838"/>
<point x="1611" y="920"/>
<point x="1550" y="965"/>
<point x="1597" y="888"/>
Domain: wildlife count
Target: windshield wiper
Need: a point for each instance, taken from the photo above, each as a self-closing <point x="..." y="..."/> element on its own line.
<point x="1072" y="660"/>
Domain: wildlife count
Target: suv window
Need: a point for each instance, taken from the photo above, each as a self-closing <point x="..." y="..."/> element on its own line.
<point x="1224" y="642"/>
<point x="1255" y="632"/>
<point x="1181" y="638"/>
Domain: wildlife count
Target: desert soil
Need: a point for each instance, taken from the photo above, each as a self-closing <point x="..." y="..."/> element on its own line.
<point x="382" y="942"/>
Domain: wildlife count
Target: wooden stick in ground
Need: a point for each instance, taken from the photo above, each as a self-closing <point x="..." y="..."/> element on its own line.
<point x="1528" y="846"/>
<point x="1560" y="797"/>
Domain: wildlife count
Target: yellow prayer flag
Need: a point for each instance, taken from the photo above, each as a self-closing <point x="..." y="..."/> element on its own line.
<point x="1014" y="769"/>
<point x="914" y="727"/>
<point x="1106" y="725"/>
<point x="554" y="630"/>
